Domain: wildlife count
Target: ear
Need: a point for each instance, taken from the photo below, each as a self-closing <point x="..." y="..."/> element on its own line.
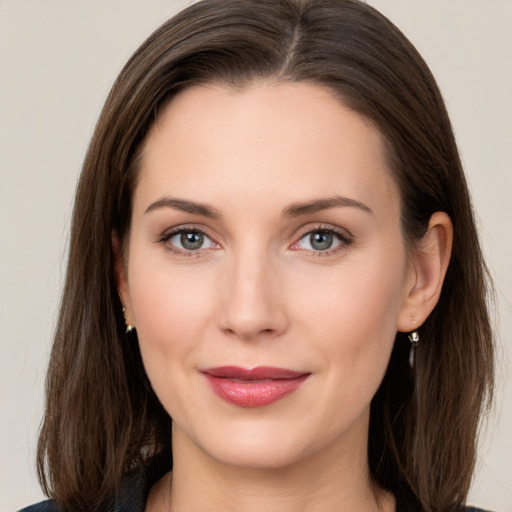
<point x="121" y="277"/>
<point x="428" y="265"/>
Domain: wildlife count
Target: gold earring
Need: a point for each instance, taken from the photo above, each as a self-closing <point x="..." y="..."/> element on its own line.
<point x="129" y="326"/>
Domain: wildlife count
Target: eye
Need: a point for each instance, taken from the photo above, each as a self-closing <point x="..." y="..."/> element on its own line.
<point x="321" y="239"/>
<point x="189" y="240"/>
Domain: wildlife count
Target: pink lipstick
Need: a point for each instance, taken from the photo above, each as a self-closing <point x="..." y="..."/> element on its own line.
<point x="253" y="387"/>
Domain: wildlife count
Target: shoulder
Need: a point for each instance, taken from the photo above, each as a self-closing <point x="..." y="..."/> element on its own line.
<point x="43" y="506"/>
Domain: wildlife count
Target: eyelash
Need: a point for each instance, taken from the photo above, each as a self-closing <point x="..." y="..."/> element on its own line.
<point x="345" y="239"/>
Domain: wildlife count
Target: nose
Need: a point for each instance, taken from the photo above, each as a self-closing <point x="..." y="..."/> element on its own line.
<point x="252" y="299"/>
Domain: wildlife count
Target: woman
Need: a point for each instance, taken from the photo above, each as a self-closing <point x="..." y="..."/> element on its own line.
<point x="270" y="246"/>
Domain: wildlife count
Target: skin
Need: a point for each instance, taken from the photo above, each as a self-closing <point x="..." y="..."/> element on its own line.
<point x="258" y="293"/>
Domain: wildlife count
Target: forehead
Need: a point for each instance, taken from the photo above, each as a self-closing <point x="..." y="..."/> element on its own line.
<point x="278" y="139"/>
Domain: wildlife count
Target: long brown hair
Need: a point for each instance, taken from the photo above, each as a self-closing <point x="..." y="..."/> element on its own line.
<point x="102" y="417"/>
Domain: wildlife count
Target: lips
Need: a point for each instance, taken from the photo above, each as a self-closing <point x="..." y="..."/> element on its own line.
<point x="254" y="387"/>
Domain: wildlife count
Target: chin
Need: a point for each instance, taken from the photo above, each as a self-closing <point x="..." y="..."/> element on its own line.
<point x="258" y="457"/>
<point x="271" y="446"/>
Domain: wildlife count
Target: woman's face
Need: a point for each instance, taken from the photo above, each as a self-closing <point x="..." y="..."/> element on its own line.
<point x="265" y="234"/>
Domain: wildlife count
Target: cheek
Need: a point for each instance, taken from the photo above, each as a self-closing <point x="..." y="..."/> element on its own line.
<point x="171" y="308"/>
<point x="170" y="305"/>
<point x="361" y="294"/>
<point x="354" y="325"/>
<point x="353" y="314"/>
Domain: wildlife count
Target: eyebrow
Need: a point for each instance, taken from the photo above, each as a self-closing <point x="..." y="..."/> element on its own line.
<point x="185" y="206"/>
<point x="317" y="205"/>
<point x="294" y="210"/>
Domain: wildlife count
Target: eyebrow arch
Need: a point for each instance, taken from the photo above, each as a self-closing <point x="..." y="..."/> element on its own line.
<point x="317" y="205"/>
<point x="185" y="206"/>
<point x="294" y="210"/>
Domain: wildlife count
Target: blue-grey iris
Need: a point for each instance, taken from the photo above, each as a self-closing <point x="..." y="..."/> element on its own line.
<point x="321" y="240"/>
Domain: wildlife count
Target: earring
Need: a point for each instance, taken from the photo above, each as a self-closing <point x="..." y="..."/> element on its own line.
<point x="414" y="338"/>
<point x="129" y="326"/>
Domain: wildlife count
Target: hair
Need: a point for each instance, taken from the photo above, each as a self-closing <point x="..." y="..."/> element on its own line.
<point x="102" y="417"/>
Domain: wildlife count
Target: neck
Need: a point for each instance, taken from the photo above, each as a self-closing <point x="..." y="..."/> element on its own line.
<point x="336" y="481"/>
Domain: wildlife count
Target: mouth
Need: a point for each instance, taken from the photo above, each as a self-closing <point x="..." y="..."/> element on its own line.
<point x="253" y="387"/>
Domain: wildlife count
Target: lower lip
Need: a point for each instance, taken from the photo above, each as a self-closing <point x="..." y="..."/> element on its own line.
<point x="254" y="393"/>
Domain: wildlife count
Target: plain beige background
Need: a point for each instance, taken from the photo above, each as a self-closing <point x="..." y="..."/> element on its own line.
<point x="57" y="61"/>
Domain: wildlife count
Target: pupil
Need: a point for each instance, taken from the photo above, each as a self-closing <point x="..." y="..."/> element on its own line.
<point x="321" y="241"/>
<point x="191" y="240"/>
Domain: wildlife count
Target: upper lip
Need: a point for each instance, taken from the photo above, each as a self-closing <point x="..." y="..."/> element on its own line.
<point x="248" y="374"/>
